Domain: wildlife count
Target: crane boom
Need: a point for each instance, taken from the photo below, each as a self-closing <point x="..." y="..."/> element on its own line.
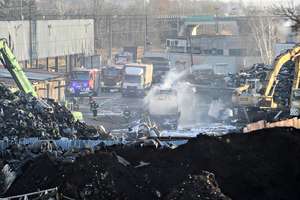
<point x="10" y="62"/>
<point x="290" y="54"/>
<point x="296" y="81"/>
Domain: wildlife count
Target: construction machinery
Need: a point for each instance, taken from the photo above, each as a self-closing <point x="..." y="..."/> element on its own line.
<point x="250" y="95"/>
<point x="10" y="62"/>
<point x="295" y="93"/>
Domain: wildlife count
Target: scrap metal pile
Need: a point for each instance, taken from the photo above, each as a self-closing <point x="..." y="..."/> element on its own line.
<point x="257" y="71"/>
<point x="260" y="72"/>
<point x="259" y="165"/>
<point x="20" y="115"/>
<point x="285" y="79"/>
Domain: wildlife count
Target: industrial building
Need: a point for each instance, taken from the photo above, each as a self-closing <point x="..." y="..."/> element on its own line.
<point x="52" y="45"/>
<point x="214" y="42"/>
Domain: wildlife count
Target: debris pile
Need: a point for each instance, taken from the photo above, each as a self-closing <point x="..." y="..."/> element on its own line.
<point x="283" y="88"/>
<point x="202" y="186"/>
<point x="257" y="71"/>
<point x="259" y="165"/>
<point x="104" y="176"/>
<point x="21" y="115"/>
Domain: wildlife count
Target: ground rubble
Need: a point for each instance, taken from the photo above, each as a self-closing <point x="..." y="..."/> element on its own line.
<point x="259" y="165"/>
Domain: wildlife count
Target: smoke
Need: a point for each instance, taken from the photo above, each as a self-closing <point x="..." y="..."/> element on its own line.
<point x="169" y="82"/>
<point x="172" y="78"/>
<point x="186" y="99"/>
<point x="187" y="103"/>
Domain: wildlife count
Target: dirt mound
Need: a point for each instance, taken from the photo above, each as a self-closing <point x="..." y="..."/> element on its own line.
<point x="260" y="165"/>
<point x="101" y="176"/>
<point x="202" y="186"/>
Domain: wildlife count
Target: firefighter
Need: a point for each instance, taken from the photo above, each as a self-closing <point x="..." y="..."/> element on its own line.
<point x="75" y="103"/>
<point x="127" y="114"/>
<point x="91" y="99"/>
<point x="94" y="108"/>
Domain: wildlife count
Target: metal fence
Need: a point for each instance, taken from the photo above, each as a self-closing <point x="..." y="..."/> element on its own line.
<point x="49" y="194"/>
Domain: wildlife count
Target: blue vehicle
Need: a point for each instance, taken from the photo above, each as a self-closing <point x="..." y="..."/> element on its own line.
<point x="83" y="82"/>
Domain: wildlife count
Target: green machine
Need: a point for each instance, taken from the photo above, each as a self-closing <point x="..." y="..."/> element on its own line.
<point x="10" y="62"/>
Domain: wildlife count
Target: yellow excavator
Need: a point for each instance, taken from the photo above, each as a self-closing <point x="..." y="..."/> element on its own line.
<point x="295" y="93"/>
<point x="245" y="97"/>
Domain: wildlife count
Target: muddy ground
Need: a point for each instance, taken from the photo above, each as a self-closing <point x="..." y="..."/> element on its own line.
<point x="260" y="165"/>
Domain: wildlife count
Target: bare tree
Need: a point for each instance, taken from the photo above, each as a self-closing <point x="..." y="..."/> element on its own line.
<point x="291" y="11"/>
<point x="263" y="28"/>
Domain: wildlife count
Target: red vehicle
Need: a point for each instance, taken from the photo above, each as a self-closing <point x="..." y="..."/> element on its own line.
<point x="83" y="82"/>
<point x="111" y="77"/>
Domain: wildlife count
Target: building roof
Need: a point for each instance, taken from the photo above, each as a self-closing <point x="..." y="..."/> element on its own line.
<point x="33" y="75"/>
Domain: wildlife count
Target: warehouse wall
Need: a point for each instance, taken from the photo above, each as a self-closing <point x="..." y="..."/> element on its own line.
<point x="18" y="31"/>
<point x="234" y="64"/>
<point x="64" y="37"/>
<point x="53" y="38"/>
<point x="53" y="89"/>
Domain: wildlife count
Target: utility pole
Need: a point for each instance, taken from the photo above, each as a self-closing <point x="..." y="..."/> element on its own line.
<point x="21" y="10"/>
<point x="146" y="27"/>
<point x="110" y="38"/>
<point x="95" y="6"/>
<point x="216" y="20"/>
<point x="30" y="36"/>
<point x="189" y="41"/>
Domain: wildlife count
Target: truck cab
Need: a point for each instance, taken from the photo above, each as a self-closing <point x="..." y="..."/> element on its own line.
<point x="83" y="82"/>
<point x="123" y="58"/>
<point x="111" y="77"/>
<point x="137" y="79"/>
<point x="161" y="66"/>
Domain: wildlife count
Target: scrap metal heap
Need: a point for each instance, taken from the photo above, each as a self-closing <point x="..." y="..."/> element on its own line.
<point x="285" y="79"/>
<point x="21" y="116"/>
<point x="257" y="71"/>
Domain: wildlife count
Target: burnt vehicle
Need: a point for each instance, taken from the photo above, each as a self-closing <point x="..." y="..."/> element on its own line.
<point x="163" y="107"/>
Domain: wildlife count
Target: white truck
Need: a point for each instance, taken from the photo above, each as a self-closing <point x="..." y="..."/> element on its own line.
<point x="137" y="79"/>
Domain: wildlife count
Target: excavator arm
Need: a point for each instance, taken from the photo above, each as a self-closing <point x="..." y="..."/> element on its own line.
<point x="295" y="93"/>
<point x="296" y="80"/>
<point x="10" y="62"/>
<point x="292" y="54"/>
